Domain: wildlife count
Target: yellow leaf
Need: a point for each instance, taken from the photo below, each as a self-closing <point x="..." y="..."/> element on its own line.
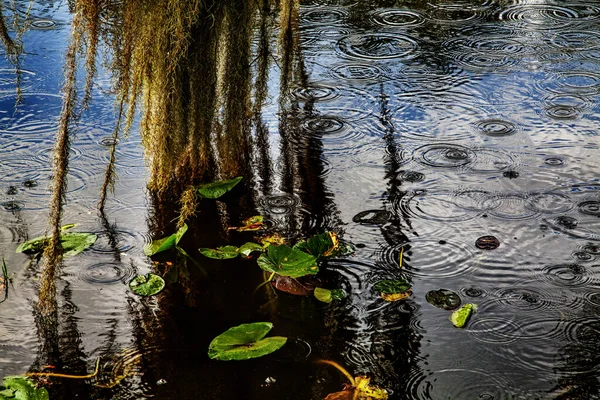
<point x="336" y="244"/>
<point x="396" y="296"/>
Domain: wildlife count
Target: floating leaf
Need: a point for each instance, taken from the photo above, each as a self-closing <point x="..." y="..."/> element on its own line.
<point x="323" y="245"/>
<point x="251" y="224"/>
<point x="443" y="298"/>
<point x="285" y="261"/>
<point x="22" y="388"/>
<point x="396" y="296"/>
<point x="248" y="248"/>
<point x="245" y="341"/>
<point x="326" y="295"/>
<point x="147" y="285"/>
<point x="303" y="286"/>
<point x="214" y="190"/>
<point x="461" y="316"/>
<point x="275" y="239"/>
<point x="72" y="243"/>
<point x="393" y="290"/>
<point x="220" y="253"/>
<point x="357" y="389"/>
<point x="164" y="244"/>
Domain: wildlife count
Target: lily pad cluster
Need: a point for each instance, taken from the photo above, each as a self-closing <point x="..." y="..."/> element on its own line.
<point x="287" y="264"/>
<point x="21" y="388"/>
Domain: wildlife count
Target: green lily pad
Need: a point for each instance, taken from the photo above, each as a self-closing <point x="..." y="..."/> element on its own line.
<point x="322" y="245"/>
<point x="165" y="244"/>
<point x="326" y="295"/>
<point x="443" y="298"/>
<point x="393" y="290"/>
<point x="285" y="261"/>
<point x="72" y="243"/>
<point x="214" y="190"/>
<point x="220" y="253"/>
<point x="248" y="248"/>
<point x="22" y="388"/>
<point x="146" y="285"/>
<point x="461" y="316"/>
<point x="392" y="286"/>
<point x="245" y="341"/>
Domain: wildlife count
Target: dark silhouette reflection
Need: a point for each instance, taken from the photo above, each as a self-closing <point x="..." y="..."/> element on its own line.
<point x="61" y="347"/>
<point x="578" y="360"/>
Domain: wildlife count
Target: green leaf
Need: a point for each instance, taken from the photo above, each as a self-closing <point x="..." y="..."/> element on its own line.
<point x="220" y="253"/>
<point x="147" y="285"/>
<point x="214" y="190"/>
<point x="285" y="261"/>
<point x="76" y="242"/>
<point x="165" y="244"/>
<point x="443" y="298"/>
<point x="323" y="245"/>
<point x="326" y="295"/>
<point x="461" y="316"/>
<point x="337" y="294"/>
<point x="245" y="341"/>
<point x="22" y="388"/>
<point x="323" y="295"/>
<point x="248" y="248"/>
<point x="392" y="286"/>
<point x="72" y="243"/>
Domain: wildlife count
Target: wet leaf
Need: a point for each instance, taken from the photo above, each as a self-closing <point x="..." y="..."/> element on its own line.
<point x="321" y="246"/>
<point x="361" y="390"/>
<point x="461" y="316"/>
<point x="245" y="341"/>
<point x="220" y="253"/>
<point x="443" y="298"/>
<point x="393" y="290"/>
<point x="272" y="239"/>
<point x="396" y="296"/>
<point x="214" y="190"/>
<point x="326" y="295"/>
<point x="285" y="261"/>
<point x="147" y="285"/>
<point x="299" y="287"/>
<point x="72" y="243"/>
<point x="251" y="224"/>
<point x="22" y="388"/>
<point x="248" y="248"/>
<point x="168" y="243"/>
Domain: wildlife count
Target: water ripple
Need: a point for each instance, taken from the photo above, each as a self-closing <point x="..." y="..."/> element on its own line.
<point x="378" y="46"/>
<point x="398" y="18"/>
<point x="459" y="384"/>
<point x="106" y="273"/>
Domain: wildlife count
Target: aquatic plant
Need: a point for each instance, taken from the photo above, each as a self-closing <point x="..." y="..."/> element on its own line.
<point x="147" y="285"/>
<point x="21" y="388"/>
<point x="461" y="316"/>
<point x="358" y="389"/>
<point x="245" y="341"/>
<point x="71" y="243"/>
<point x="327" y="295"/>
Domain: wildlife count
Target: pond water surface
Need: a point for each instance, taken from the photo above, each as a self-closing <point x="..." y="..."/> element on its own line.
<point x="403" y="126"/>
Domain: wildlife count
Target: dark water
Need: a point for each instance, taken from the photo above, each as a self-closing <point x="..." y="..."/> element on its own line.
<point x="400" y="125"/>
